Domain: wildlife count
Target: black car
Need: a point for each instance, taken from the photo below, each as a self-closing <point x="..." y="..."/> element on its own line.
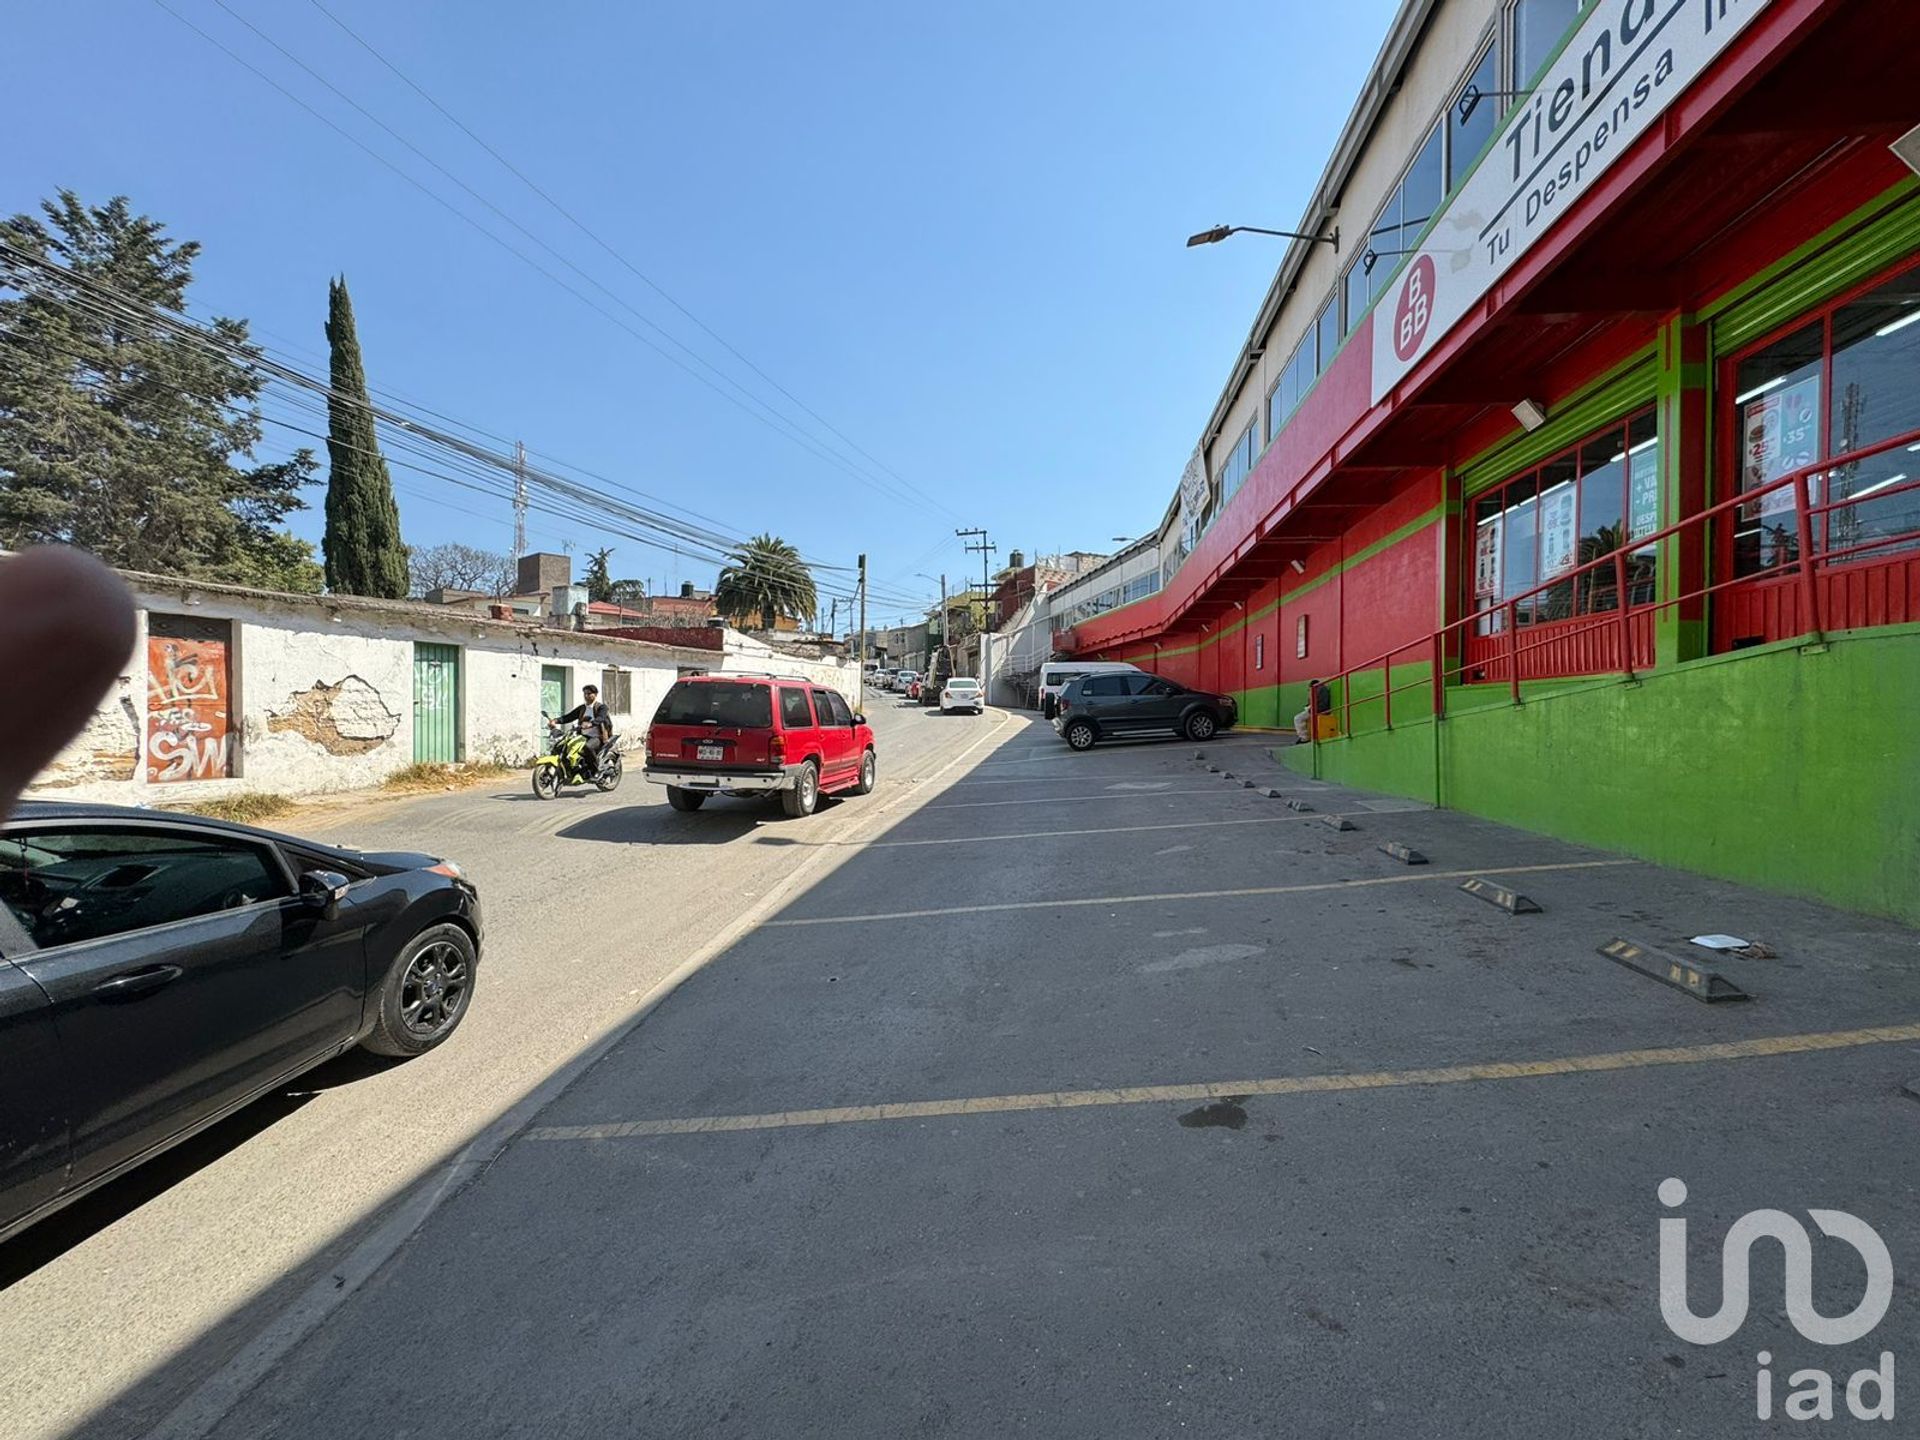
<point x="1109" y="707"/>
<point x="159" y="971"/>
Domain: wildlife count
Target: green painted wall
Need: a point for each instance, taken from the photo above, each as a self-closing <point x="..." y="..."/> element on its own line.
<point x="1796" y="770"/>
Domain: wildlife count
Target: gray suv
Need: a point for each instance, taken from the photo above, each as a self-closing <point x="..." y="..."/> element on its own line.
<point x="1110" y="707"/>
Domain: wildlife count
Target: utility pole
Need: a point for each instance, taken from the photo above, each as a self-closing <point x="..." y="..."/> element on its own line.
<point x="946" y="620"/>
<point x="861" y="697"/>
<point x="986" y="578"/>
<point x="519" y="500"/>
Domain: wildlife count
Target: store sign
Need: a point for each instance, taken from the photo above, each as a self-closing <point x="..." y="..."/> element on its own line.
<point x="1628" y="62"/>
<point x="1193" y="490"/>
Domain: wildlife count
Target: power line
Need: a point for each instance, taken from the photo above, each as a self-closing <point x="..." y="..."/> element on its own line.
<point x="771" y="419"/>
<point x="101" y="300"/>
<point x="487" y="472"/>
<point x="625" y="263"/>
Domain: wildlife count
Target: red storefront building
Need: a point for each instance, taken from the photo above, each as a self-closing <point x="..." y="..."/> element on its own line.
<point x="1586" y="463"/>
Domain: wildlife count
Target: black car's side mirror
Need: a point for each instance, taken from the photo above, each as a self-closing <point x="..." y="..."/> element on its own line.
<point x="322" y="891"/>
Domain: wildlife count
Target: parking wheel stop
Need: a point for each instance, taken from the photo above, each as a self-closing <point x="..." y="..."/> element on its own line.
<point x="1337" y="822"/>
<point x="1301" y="806"/>
<point x="1509" y="900"/>
<point x="1699" y="981"/>
<point x="1406" y="855"/>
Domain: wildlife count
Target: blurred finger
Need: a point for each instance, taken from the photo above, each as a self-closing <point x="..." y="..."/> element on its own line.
<point x="66" y="630"/>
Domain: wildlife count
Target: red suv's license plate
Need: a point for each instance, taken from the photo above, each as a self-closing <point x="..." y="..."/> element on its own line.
<point x="710" y="752"/>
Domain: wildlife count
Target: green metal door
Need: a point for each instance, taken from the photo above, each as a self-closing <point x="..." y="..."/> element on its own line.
<point x="553" y="699"/>
<point x="436" y="703"/>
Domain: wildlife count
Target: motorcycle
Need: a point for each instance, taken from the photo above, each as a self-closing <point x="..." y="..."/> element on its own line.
<point x="566" y="765"/>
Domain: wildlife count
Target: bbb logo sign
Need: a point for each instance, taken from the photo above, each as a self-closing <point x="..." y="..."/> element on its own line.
<point x="1415" y="310"/>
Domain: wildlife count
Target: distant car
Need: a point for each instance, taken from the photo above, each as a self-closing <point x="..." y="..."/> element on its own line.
<point x="755" y="735"/>
<point x="962" y="692"/>
<point x="158" y="972"/>
<point x="908" y="679"/>
<point x="913" y="689"/>
<point x="1114" y="706"/>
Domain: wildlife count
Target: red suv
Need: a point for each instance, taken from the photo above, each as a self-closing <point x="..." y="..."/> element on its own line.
<point x="752" y="734"/>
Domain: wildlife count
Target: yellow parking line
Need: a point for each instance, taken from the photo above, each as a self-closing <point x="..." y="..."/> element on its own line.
<point x="1769" y="1045"/>
<point x="1065" y="904"/>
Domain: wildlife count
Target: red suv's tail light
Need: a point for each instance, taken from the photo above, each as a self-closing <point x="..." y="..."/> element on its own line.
<point x="777" y="748"/>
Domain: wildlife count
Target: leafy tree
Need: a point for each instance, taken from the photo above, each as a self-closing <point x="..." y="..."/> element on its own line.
<point x="362" y="543"/>
<point x="629" y="593"/>
<point x="459" y="567"/>
<point x="123" y="432"/>
<point x="599" y="578"/>
<point x="766" y="579"/>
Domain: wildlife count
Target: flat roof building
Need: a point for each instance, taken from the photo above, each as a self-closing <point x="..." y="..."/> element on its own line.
<point x="1580" y="449"/>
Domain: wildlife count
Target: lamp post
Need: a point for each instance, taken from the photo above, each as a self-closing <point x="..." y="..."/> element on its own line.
<point x="1221" y="232"/>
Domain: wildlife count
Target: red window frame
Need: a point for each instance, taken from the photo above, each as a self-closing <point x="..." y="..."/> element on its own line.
<point x="1472" y="601"/>
<point x="1740" y="619"/>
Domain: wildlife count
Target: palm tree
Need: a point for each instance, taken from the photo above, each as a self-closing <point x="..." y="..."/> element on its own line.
<point x="766" y="579"/>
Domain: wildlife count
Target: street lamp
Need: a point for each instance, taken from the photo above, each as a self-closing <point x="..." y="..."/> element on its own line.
<point x="1221" y="232"/>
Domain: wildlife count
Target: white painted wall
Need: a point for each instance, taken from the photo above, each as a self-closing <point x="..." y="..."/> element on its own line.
<point x="321" y="692"/>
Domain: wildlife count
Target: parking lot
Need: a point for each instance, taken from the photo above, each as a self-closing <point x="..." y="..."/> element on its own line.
<point x="1103" y="1094"/>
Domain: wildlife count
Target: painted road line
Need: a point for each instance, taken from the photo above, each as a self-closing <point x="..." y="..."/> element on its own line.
<point x="1064" y="904"/>
<point x="1762" y="1048"/>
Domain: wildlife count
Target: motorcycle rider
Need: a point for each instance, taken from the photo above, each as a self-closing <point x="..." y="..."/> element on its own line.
<point x="596" y="724"/>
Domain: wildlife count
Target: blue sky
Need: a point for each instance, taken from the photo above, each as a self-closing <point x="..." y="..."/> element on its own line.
<point x="955" y="232"/>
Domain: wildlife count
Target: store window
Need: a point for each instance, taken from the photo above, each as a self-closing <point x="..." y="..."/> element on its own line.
<point x="1537" y="28"/>
<point x="1841" y="391"/>
<point x="1471" y="121"/>
<point x="1235" y="468"/>
<point x="1328" y="327"/>
<point x="1585" y="503"/>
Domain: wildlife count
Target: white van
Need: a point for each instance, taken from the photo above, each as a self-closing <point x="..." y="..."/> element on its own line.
<point x="1056" y="674"/>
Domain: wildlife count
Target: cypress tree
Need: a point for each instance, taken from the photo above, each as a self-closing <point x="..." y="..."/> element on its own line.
<point x="362" y="544"/>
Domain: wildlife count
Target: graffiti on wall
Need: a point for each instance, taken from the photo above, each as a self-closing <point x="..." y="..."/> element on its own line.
<point x="349" y="718"/>
<point x="187" y="722"/>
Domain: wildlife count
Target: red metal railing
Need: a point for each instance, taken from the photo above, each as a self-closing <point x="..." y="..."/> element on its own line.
<point x="1624" y="633"/>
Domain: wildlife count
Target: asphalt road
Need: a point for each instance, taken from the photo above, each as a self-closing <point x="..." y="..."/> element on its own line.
<point x="117" y="1308"/>
<point x="1101" y="1095"/>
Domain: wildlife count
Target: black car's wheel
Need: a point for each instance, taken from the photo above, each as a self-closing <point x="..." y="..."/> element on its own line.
<point x="869" y="774"/>
<point x="608" y="775"/>
<point x="1081" y="735"/>
<point x="1201" y="725"/>
<point x="426" y="992"/>
<point x="804" y="794"/>
<point x="685" y="799"/>
<point x="546" y="781"/>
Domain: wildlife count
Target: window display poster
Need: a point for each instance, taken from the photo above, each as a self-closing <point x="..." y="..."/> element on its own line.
<point x="1643" y="494"/>
<point x="1781" y="433"/>
<point x="1486" y="559"/>
<point x="1559" y="534"/>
